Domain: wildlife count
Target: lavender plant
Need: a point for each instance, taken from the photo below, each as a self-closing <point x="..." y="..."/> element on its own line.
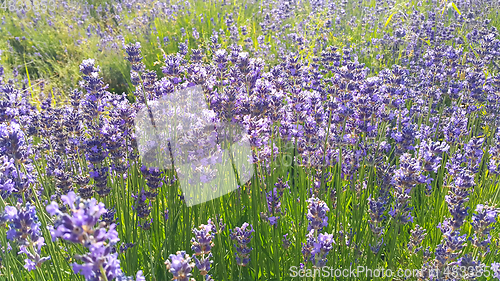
<point x="373" y="131"/>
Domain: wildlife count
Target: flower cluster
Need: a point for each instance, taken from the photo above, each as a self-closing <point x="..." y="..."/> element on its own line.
<point x="417" y="237"/>
<point x="202" y="246"/>
<point x="81" y="226"/>
<point x="453" y="241"/>
<point x="482" y="220"/>
<point x="317" y="245"/>
<point x="273" y="199"/>
<point x="241" y="236"/>
<point x="24" y="229"/>
<point x="317" y="214"/>
<point x="431" y="154"/>
<point x="180" y="266"/>
<point x="142" y="206"/>
<point x="350" y="120"/>
<point x="405" y="178"/>
<point x="16" y="170"/>
<point x="376" y="211"/>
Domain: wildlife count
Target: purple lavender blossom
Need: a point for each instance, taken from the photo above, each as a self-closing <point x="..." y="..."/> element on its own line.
<point x="286" y="242"/>
<point x="81" y="226"/>
<point x="87" y="67"/>
<point x="202" y="245"/>
<point x="376" y="210"/>
<point x="34" y="259"/>
<point x="405" y="178"/>
<point x="495" y="267"/>
<point x="431" y="152"/>
<point x="417" y="236"/>
<point x="14" y="152"/>
<point x="482" y="220"/>
<point x="154" y="180"/>
<point x="202" y="242"/>
<point x="242" y="236"/>
<point x="308" y="247"/>
<point x="180" y="266"/>
<point x="24" y="229"/>
<point x="317" y="214"/>
<point x="322" y="247"/>
<point x="134" y="53"/>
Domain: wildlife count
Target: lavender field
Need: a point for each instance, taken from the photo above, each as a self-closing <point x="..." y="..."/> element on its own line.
<point x="249" y="140"/>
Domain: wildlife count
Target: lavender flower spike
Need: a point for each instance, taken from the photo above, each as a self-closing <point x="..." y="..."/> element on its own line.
<point x="316" y="214"/>
<point x="242" y="236"/>
<point x="322" y="247"/>
<point x="202" y="245"/>
<point x="83" y="225"/>
<point x="180" y="266"/>
<point x="24" y="228"/>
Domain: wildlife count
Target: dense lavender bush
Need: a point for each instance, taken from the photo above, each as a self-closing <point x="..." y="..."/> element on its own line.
<point x="373" y="126"/>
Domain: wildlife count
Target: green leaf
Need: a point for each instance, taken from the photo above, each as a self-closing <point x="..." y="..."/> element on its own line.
<point x="389" y="19"/>
<point x="444" y="8"/>
<point x="456" y="8"/>
<point x="426" y="41"/>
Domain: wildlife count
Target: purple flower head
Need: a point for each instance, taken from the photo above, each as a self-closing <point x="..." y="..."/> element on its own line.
<point x="154" y="180"/>
<point x="467" y="261"/>
<point x="376" y="211"/>
<point x="34" y="258"/>
<point x="23" y="222"/>
<point x="202" y="242"/>
<point x="134" y="53"/>
<point x="317" y="214"/>
<point x="417" y="236"/>
<point x="97" y="261"/>
<point x="109" y="217"/>
<point x="79" y="225"/>
<point x="14" y="149"/>
<point x="409" y="173"/>
<point x="495" y="267"/>
<point x="451" y="244"/>
<point x="7" y="181"/>
<point x="286" y="241"/>
<point x="430" y="153"/>
<point x="172" y="67"/>
<point x="464" y="180"/>
<point x="321" y="248"/>
<point x="141" y="204"/>
<point x="146" y="225"/>
<point x="138" y="277"/>
<point x="220" y="58"/>
<point x="87" y="67"/>
<point x="24" y="228"/>
<point x="482" y="219"/>
<point x="82" y="225"/>
<point x="196" y="34"/>
<point x="203" y="264"/>
<point x="273" y="220"/>
<point x="455" y="126"/>
<point x="308" y="247"/>
<point x="125" y="246"/>
<point x="273" y="201"/>
<point x="242" y="236"/>
<point x="180" y="266"/>
<point x="404" y="179"/>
